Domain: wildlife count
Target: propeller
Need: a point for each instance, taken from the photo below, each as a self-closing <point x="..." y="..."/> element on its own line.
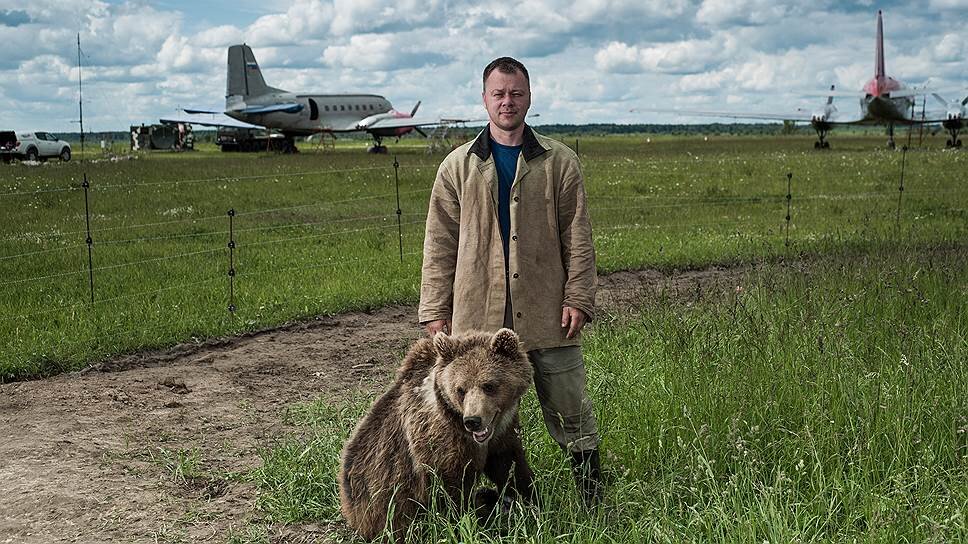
<point x="415" y="108"/>
<point x="422" y="133"/>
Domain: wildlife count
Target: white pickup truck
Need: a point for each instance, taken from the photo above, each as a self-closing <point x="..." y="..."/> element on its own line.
<point x="32" y="146"/>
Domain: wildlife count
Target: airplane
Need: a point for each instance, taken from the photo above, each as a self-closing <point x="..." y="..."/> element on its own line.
<point x="883" y="100"/>
<point x="250" y="103"/>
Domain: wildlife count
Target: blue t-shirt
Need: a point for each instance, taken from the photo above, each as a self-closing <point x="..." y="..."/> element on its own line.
<point x="506" y="161"/>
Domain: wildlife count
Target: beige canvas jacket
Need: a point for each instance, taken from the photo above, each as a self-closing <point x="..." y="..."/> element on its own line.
<point x="552" y="260"/>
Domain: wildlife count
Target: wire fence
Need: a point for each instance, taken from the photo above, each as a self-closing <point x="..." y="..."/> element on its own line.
<point x="214" y="255"/>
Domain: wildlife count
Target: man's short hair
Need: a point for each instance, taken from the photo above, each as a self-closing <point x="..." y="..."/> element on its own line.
<point x="506" y="65"/>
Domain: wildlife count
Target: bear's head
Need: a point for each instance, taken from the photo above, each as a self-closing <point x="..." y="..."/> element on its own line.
<point x="483" y="377"/>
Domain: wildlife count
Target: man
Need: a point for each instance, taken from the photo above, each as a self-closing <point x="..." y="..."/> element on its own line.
<point x="508" y="244"/>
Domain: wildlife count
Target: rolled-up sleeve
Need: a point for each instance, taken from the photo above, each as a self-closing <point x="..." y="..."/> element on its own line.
<point x="577" y="249"/>
<point x="440" y="250"/>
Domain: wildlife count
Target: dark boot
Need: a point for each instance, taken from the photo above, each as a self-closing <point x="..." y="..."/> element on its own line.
<point x="587" y="468"/>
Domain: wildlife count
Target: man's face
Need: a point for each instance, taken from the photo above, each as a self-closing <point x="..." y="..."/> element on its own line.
<point x="507" y="98"/>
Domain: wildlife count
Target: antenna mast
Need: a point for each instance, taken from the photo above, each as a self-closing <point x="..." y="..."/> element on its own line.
<point x="80" y="100"/>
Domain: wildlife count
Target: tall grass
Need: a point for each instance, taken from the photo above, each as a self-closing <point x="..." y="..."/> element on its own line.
<point x="813" y="405"/>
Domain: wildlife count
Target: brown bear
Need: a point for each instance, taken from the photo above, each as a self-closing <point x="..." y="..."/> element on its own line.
<point x="451" y="414"/>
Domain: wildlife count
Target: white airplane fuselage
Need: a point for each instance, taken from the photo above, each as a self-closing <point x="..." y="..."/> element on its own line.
<point x="318" y="113"/>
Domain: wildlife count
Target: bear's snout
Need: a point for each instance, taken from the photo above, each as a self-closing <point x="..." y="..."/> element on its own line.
<point x="472" y="423"/>
<point x="475" y="426"/>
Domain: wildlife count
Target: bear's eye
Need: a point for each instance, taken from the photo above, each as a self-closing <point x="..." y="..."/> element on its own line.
<point x="489" y="388"/>
<point x="461" y="392"/>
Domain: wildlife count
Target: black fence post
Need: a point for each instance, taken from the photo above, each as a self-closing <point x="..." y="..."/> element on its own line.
<point x="900" y="191"/>
<point x="789" y="198"/>
<point x="396" y="176"/>
<point x="231" y="214"/>
<point x="90" y="241"/>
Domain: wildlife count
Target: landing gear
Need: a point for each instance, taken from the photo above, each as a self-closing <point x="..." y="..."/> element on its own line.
<point x="377" y="146"/>
<point x="289" y="145"/>
<point x="821" y="142"/>
<point x="890" y="137"/>
<point x="822" y="127"/>
<point x="954" y="130"/>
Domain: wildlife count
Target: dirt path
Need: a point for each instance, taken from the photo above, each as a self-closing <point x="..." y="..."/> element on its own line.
<point x="86" y="457"/>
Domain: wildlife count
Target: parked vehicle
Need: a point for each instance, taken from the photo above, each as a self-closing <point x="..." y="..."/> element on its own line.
<point x="32" y="146"/>
<point x="248" y="139"/>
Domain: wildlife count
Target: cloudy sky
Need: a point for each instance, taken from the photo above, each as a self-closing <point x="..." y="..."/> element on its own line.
<point x="590" y="61"/>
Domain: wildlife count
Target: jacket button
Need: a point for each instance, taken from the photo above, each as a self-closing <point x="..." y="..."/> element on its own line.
<point x="519" y="314"/>
<point x="515" y="276"/>
<point x="516" y="199"/>
<point x="515" y="237"/>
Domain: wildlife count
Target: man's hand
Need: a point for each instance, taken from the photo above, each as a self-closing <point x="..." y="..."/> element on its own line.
<point x="433" y="327"/>
<point x="573" y="319"/>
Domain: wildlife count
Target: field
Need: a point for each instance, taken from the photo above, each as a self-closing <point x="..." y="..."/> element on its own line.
<point x="757" y="379"/>
<point x="317" y="233"/>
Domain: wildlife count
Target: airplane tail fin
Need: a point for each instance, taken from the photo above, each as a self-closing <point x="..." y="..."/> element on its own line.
<point x="244" y="77"/>
<point x="879" y="71"/>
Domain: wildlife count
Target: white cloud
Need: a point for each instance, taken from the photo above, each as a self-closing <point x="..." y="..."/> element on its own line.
<point x="951" y="48"/>
<point x="682" y="57"/>
<point x="378" y="52"/>
<point x="219" y="36"/>
<point x="719" y="13"/>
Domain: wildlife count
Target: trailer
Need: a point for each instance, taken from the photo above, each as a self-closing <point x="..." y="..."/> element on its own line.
<point x="164" y="137"/>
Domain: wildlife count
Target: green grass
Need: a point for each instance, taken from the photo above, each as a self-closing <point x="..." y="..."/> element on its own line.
<point x="819" y="404"/>
<point x="316" y="233"/>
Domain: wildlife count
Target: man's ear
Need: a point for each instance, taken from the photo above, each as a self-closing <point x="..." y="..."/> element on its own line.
<point x="506" y="343"/>
<point x="445" y="346"/>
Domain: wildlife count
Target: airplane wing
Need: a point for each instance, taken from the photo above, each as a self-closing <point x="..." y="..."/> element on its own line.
<point x="207" y="119"/>
<point x="797" y="116"/>
<point x="411" y="122"/>
<point x="932" y="117"/>
<point x="831" y="116"/>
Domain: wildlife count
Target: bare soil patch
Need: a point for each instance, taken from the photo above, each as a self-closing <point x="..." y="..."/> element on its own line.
<point x="107" y="454"/>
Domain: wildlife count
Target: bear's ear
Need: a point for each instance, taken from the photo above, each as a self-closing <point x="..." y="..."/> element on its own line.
<point x="506" y="343"/>
<point x="445" y="346"/>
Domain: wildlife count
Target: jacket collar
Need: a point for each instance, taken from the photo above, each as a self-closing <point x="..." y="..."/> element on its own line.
<point x="530" y="147"/>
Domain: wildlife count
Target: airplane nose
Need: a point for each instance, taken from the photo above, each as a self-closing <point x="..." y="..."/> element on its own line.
<point x="472" y="423"/>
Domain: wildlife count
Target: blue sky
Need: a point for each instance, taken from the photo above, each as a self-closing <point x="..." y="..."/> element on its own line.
<point x="590" y="61"/>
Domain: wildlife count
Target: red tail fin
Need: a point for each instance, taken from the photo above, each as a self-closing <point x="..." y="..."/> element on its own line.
<point x="879" y="71"/>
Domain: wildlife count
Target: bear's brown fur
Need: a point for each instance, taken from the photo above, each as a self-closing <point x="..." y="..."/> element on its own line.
<point x="451" y="413"/>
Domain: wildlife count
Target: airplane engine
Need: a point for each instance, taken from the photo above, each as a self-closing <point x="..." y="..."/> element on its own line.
<point x="825" y="114"/>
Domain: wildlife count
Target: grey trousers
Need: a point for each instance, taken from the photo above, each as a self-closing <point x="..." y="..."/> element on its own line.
<point x="559" y="380"/>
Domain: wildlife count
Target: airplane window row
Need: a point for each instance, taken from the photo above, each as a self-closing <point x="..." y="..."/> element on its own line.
<point x="357" y="107"/>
